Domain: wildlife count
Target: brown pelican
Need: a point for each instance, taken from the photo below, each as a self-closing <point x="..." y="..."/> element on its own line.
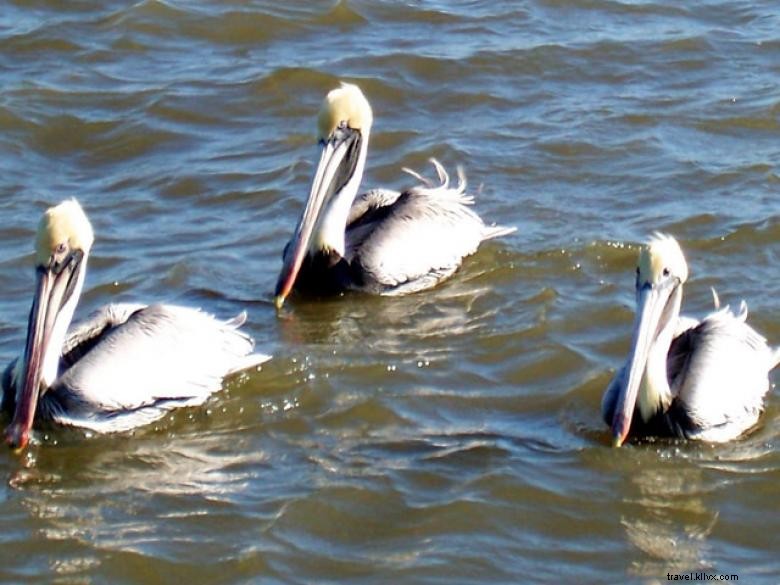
<point x="126" y="366"/>
<point x="683" y="378"/>
<point x="382" y="242"/>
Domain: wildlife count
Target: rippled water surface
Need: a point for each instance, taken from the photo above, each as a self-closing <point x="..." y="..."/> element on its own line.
<point x="452" y="436"/>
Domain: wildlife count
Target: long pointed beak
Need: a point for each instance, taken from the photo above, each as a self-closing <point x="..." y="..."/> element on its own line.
<point x="52" y="291"/>
<point x="337" y="164"/>
<point x="650" y="309"/>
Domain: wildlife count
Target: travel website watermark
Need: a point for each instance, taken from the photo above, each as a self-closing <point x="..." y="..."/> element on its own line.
<point x="701" y="576"/>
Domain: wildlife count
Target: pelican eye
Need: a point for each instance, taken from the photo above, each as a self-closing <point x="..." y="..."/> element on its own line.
<point x="60" y="257"/>
<point x="666" y="272"/>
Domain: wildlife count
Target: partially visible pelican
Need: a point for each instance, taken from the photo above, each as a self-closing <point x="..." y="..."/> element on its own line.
<point x="382" y="242"/>
<point x="683" y="378"/>
<point x="127" y="366"/>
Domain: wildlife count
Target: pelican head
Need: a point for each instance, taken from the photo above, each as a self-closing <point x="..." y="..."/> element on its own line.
<point x="343" y="126"/>
<point x="660" y="274"/>
<point x="62" y="244"/>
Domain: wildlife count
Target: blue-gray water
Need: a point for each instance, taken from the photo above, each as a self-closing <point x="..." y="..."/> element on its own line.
<point x="452" y="436"/>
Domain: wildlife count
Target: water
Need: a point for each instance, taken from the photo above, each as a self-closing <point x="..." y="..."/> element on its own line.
<point x="447" y="437"/>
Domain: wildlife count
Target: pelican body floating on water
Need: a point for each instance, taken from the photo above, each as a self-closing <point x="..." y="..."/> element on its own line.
<point x="382" y="242"/>
<point x="126" y="366"/>
<point x="684" y="378"/>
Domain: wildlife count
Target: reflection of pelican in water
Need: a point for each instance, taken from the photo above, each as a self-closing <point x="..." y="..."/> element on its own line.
<point x="668" y="519"/>
<point x="442" y="319"/>
<point x="382" y="242"/>
<point x="697" y="380"/>
<point x="127" y="366"/>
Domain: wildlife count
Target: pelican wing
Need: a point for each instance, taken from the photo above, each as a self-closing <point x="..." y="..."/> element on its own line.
<point x="719" y="376"/>
<point x="404" y="242"/>
<point x="158" y="358"/>
<point x="370" y="207"/>
<point x="88" y="333"/>
<point x="609" y="400"/>
<point x="368" y="211"/>
<point x="682" y="345"/>
<point x="78" y="342"/>
<point x="8" y="401"/>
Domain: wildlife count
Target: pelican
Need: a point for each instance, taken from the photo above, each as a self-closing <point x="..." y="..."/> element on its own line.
<point x="684" y="378"/>
<point x="127" y="365"/>
<point x="381" y="242"/>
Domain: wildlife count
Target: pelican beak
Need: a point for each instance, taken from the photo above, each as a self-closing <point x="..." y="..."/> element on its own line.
<point x="54" y="287"/>
<point x="339" y="158"/>
<point x="652" y="302"/>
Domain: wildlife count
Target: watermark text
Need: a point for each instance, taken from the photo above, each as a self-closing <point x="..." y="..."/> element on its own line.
<point x="701" y="576"/>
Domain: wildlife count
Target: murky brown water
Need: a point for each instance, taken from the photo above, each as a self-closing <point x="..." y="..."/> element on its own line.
<point x="448" y="437"/>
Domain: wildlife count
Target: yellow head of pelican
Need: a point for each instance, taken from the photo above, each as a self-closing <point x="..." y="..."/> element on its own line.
<point x="344" y="107"/>
<point x="343" y="126"/>
<point x="62" y="243"/>
<point x="660" y="259"/>
<point x="660" y="274"/>
<point x="62" y="228"/>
